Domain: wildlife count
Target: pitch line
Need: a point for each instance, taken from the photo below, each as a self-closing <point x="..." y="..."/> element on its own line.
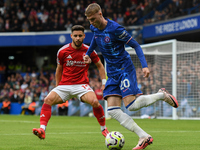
<point x="95" y="133"/>
<point x="18" y="121"/>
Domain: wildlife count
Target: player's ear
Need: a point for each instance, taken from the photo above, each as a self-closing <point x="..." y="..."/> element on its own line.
<point x="100" y="13"/>
<point x="71" y="35"/>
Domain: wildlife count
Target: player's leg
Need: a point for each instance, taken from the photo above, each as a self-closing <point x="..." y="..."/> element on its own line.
<point x="129" y="89"/>
<point x="51" y="99"/>
<point x="114" y="102"/>
<point x="134" y="103"/>
<point x="98" y="111"/>
<point x="114" y="110"/>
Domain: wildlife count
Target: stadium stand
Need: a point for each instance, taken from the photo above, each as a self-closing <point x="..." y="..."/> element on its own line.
<point x="17" y="80"/>
<point x="56" y="15"/>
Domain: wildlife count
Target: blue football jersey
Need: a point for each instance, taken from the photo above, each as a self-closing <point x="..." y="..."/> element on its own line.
<point x="111" y="42"/>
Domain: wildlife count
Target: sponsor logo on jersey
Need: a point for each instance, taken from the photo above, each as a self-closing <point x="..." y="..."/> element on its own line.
<point x="69" y="57"/>
<point x="107" y="39"/>
<point x="75" y="63"/>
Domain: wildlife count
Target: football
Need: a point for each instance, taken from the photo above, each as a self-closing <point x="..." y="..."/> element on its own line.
<point x="114" y="140"/>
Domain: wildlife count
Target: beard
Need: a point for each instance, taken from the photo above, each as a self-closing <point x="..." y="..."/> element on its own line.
<point x="78" y="44"/>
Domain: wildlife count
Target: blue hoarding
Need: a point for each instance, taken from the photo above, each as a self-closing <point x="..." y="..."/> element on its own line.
<point x="172" y="27"/>
<point x="38" y="38"/>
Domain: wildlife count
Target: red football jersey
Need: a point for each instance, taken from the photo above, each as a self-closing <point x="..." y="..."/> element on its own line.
<point x="75" y="71"/>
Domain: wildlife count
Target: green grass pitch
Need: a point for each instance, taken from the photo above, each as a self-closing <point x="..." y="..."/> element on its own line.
<point x="83" y="133"/>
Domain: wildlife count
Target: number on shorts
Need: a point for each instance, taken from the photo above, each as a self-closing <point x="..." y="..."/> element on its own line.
<point x="125" y="84"/>
<point x="85" y="86"/>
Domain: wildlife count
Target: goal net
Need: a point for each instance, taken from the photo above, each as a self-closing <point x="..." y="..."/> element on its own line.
<point x="173" y="65"/>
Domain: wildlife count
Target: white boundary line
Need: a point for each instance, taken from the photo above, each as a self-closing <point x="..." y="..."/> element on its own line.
<point x="67" y="133"/>
<point x="19" y="121"/>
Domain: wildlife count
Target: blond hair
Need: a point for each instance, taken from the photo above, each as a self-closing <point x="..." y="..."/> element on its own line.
<point x="92" y="9"/>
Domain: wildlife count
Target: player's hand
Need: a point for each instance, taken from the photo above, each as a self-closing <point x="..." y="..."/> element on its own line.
<point x="146" y="72"/>
<point x="87" y="59"/>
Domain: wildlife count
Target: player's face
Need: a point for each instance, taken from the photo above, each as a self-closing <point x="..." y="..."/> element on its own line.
<point x="95" y="19"/>
<point x="77" y="38"/>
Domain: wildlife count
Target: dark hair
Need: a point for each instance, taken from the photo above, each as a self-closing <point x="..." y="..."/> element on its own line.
<point x="77" y="28"/>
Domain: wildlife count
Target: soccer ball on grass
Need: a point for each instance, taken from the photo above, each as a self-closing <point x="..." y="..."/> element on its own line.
<point x="114" y="140"/>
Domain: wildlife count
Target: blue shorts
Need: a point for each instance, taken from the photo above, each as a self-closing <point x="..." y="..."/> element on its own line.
<point x="122" y="85"/>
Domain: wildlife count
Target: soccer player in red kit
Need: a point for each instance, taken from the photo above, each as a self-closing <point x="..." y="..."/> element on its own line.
<point x="72" y="81"/>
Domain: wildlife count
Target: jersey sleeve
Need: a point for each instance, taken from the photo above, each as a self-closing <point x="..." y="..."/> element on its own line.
<point x="123" y="35"/>
<point x="138" y="51"/>
<point x="59" y="59"/>
<point x="93" y="45"/>
<point x="95" y="58"/>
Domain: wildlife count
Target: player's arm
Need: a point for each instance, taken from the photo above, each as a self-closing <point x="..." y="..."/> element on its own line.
<point x="140" y="55"/>
<point x="93" y="45"/>
<point x="102" y="74"/>
<point x="58" y="76"/>
<point x="123" y="35"/>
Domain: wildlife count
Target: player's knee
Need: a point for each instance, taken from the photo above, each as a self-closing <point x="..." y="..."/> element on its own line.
<point x="110" y="112"/>
<point x="132" y="107"/>
<point x="48" y="101"/>
<point x="95" y="103"/>
<point x="114" y="112"/>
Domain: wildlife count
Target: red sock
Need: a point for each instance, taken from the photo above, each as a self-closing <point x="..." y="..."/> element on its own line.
<point x="99" y="114"/>
<point x="45" y="114"/>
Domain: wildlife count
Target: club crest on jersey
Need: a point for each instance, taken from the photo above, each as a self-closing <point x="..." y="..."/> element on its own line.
<point x="107" y="39"/>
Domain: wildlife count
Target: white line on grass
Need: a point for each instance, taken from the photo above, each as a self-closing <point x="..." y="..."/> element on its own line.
<point x="97" y="132"/>
<point x="18" y="121"/>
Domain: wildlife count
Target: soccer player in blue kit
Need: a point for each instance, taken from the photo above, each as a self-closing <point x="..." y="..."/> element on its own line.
<point x="111" y="37"/>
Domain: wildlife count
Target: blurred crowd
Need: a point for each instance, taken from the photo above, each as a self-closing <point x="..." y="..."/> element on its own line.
<point x="61" y="15"/>
<point x="31" y="87"/>
<point x="25" y="87"/>
<point x="26" y="84"/>
<point x="188" y="80"/>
